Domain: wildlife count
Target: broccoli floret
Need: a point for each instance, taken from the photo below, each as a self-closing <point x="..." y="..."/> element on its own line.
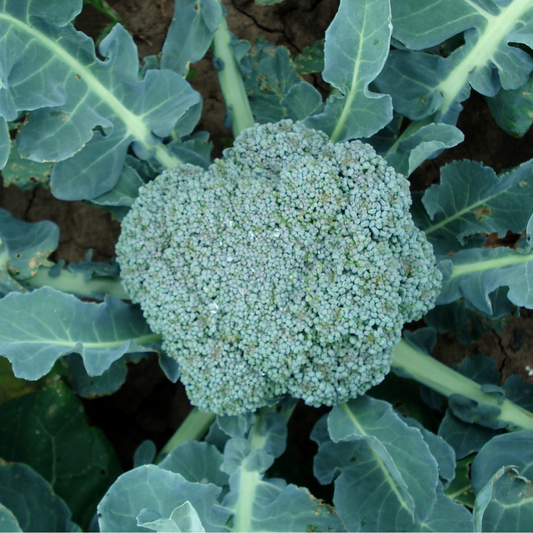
<point x="289" y="266"/>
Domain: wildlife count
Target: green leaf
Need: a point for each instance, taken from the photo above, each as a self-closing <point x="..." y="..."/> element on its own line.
<point x="124" y="192"/>
<point x="161" y="492"/>
<point x="48" y="431"/>
<point x="465" y="438"/>
<point x="311" y="59"/>
<point x="460" y="489"/>
<point x="274" y="90"/>
<point x="109" y="382"/>
<point x="25" y="246"/>
<point x="8" y="522"/>
<point x="364" y="505"/>
<point x="392" y="460"/>
<point x="301" y="101"/>
<point x="427" y="142"/>
<point x="519" y="392"/>
<point x="190" y="34"/>
<point x="357" y="45"/>
<point x="182" y="518"/>
<point x="469" y="325"/>
<point x="39" y="327"/>
<point x="512" y="449"/>
<point x="422" y="84"/>
<point x="474" y="274"/>
<point x="471" y="199"/>
<point x="505" y="503"/>
<point x="513" y="110"/>
<point x="197" y="462"/>
<point x="25" y="174"/>
<point x="84" y="112"/>
<point x="32" y="501"/>
<point x="440" y="449"/>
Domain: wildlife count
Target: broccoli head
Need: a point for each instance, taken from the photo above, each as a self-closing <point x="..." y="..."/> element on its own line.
<point x="289" y="266"/>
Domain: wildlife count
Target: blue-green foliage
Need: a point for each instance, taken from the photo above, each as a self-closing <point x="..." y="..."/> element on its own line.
<point x="289" y="266"/>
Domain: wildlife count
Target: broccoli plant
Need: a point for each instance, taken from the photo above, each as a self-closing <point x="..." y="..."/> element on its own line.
<point x="284" y="270"/>
<point x="290" y="266"/>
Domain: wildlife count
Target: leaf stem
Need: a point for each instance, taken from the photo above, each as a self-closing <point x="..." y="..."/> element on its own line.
<point x="75" y="282"/>
<point x="194" y="427"/>
<point x="443" y="379"/>
<point x="231" y="82"/>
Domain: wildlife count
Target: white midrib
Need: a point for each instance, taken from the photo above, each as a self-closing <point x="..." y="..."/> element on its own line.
<point x="244" y="507"/>
<point x="490" y="264"/>
<point x="353" y="88"/>
<point x="498" y="26"/>
<point x="142" y="340"/>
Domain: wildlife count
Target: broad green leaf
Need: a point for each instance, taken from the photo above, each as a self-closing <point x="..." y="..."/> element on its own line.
<point x="274" y="90"/>
<point x="84" y="112"/>
<point x="465" y="438"/>
<point x="8" y="522"/>
<point x="25" y="246"/>
<point x="505" y="503"/>
<point x="512" y="449"/>
<point x="468" y="325"/>
<point x="195" y="150"/>
<point x="471" y="199"/>
<point x="357" y="45"/>
<point x="519" y="392"/>
<point x="460" y="490"/>
<point x="190" y="34"/>
<point x="39" y="327"/>
<point x="197" y="462"/>
<point x="396" y="460"/>
<point x="513" y="110"/>
<point x="311" y="59"/>
<point x="48" y="431"/>
<point x="365" y="504"/>
<point x="149" y="488"/>
<point x="473" y="412"/>
<point x="109" y="382"/>
<point x="124" y="192"/>
<point x="474" y="274"/>
<point x="183" y="518"/>
<point x="23" y="173"/>
<point x="301" y="101"/>
<point x="427" y="142"/>
<point x="422" y="84"/>
<point x="32" y="501"/>
<point x="440" y="449"/>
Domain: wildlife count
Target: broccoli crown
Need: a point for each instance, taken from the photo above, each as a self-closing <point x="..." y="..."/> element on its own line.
<point x="289" y="266"/>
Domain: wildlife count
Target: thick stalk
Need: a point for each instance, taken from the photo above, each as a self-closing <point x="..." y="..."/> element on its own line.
<point x="75" y="282"/>
<point x="446" y="381"/>
<point x="194" y="427"/>
<point x="230" y="80"/>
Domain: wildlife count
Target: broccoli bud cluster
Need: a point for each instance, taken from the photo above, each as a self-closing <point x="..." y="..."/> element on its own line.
<point x="288" y="267"/>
